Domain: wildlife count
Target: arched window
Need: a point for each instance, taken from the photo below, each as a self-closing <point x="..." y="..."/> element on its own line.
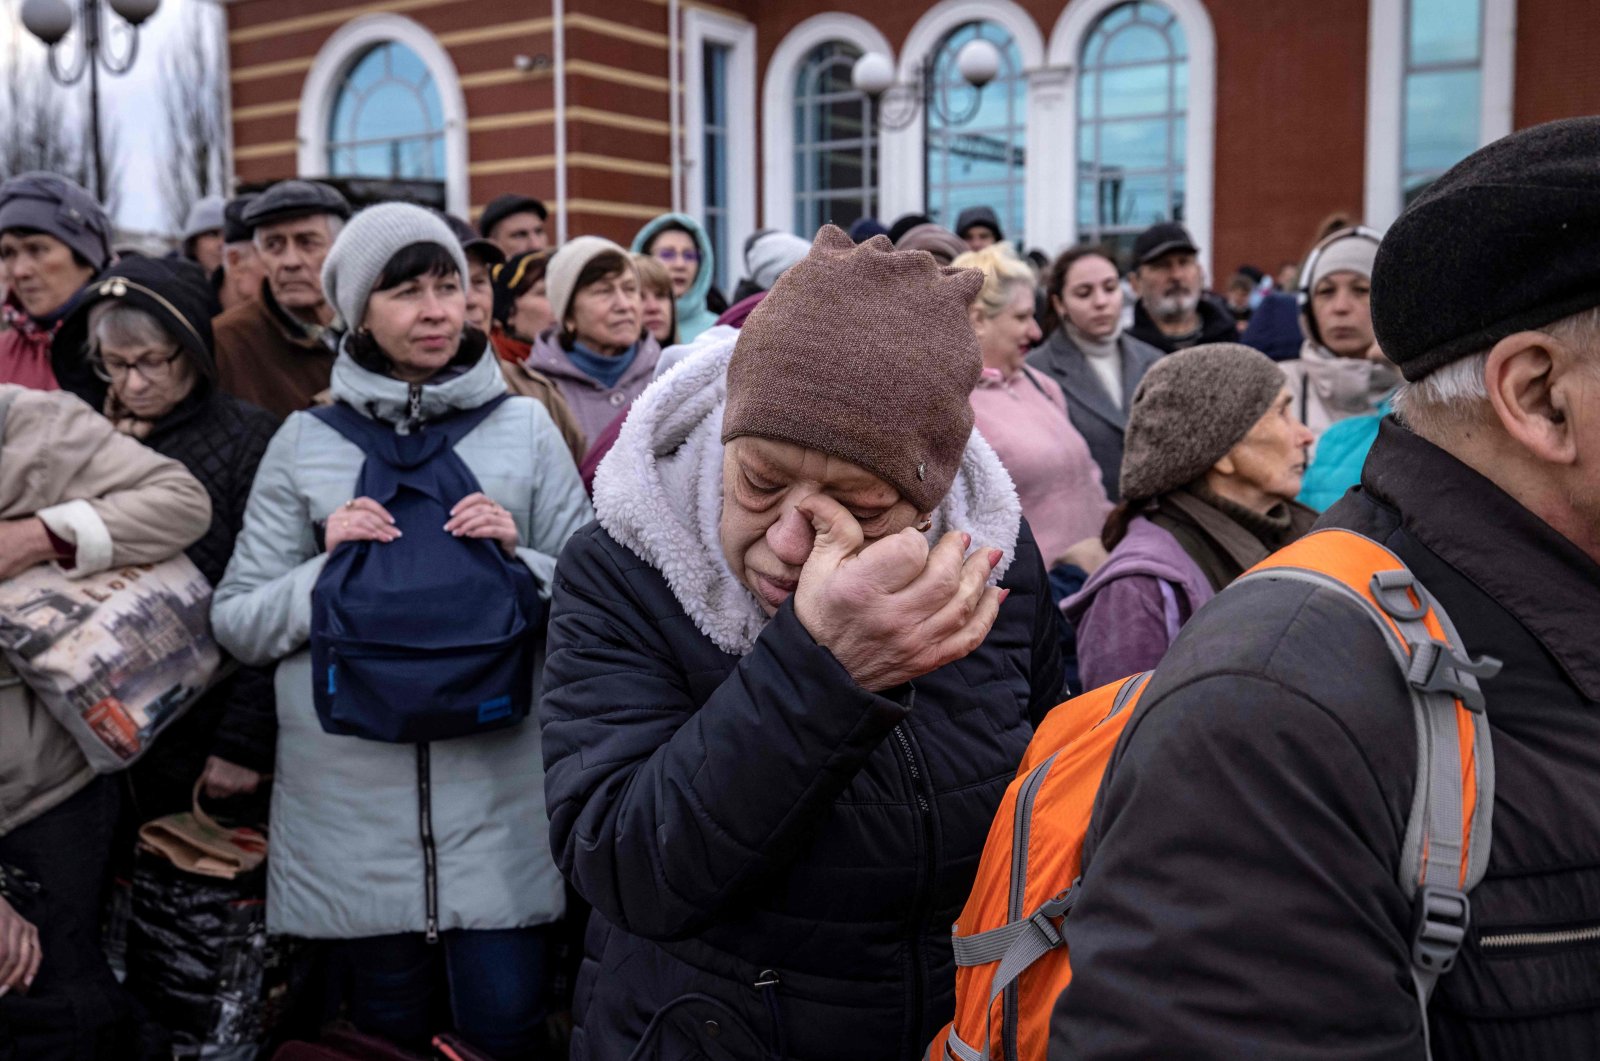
<point x="977" y="140"/>
<point x="387" y="121"/>
<point x="1132" y="124"/>
<point x="835" y="151"/>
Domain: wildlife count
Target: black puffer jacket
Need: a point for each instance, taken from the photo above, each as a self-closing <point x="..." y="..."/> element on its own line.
<point x="774" y="854"/>
<point x="1240" y="897"/>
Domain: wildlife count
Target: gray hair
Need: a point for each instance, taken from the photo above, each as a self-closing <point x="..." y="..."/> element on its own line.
<point x="1456" y="395"/>
<point x="122" y="325"/>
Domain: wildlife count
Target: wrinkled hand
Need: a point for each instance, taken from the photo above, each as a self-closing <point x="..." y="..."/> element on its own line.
<point x="478" y="516"/>
<point x="361" y="520"/>
<point x="1087" y="555"/>
<point x="896" y="609"/>
<point x="223" y="779"/>
<point x="19" y="951"/>
<point x="23" y="543"/>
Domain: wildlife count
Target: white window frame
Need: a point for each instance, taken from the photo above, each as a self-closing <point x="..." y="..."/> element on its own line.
<point x="1066" y="47"/>
<point x="903" y="186"/>
<point x="739" y="37"/>
<point x="778" y="101"/>
<point x="333" y="64"/>
<point x="1386" y="72"/>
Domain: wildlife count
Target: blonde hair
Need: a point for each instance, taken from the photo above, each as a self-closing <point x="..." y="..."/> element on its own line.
<point x="1002" y="272"/>
<point x="653" y="274"/>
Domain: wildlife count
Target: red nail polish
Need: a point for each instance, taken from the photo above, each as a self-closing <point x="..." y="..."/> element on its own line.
<point x="995" y="556"/>
<point x="1004" y="594"/>
<point x="966" y="542"/>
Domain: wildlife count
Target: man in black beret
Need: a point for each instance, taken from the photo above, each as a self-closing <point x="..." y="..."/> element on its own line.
<point x="1242" y="885"/>
<point x="514" y="223"/>
<point x="241" y="266"/>
<point x="277" y="350"/>
<point x="1174" y="311"/>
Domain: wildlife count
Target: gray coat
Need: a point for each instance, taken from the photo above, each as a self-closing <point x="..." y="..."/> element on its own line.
<point x="1097" y="418"/>
<point x="347" y="858"/>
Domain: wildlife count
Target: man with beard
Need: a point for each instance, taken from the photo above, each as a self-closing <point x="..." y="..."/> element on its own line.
<point x="1174" y="312"/>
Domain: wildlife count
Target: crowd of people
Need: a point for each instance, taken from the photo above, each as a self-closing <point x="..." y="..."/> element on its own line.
<point x="563" y="596"/>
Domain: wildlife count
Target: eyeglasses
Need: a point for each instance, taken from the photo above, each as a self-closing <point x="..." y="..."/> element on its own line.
<point x="154" y="370"/>
<point x="669" y="254"/>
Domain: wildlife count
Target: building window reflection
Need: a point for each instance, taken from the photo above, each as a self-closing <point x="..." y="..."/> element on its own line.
<point x="1443" y="89"/>
<point x="714" y="210"/>
<point x="977" y="140"/>
<point x="387" y="120"/>
<point x="1133" y="96"/>
<point x="836" y="153"/>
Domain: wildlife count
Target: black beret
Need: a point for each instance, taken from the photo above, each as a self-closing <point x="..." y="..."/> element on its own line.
<point x="234" y="230"/>
<point x="290" y="199"/>
<point x="503" y="206"/>
<point x="1502" y="242"/>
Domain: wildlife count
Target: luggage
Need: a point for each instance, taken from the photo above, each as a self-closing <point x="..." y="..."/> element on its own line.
<point x="1011" y="956"/>
<point x="429" y="636"/>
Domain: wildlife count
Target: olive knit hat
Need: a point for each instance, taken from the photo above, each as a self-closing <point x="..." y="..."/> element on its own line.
<point x="1191" y="408"/>
<point x="866" y="354"/>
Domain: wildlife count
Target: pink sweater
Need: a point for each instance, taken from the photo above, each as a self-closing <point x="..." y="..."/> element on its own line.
<point x="1025" y="420"/>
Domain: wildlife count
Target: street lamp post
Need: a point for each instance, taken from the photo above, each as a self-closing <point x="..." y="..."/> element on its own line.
<point x="50" y="21"/>
<point x="978" y="63"/>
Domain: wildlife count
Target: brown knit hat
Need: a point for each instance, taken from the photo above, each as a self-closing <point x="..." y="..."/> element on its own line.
<point x="867" y="355"/>
<point x="1191" y="408"/>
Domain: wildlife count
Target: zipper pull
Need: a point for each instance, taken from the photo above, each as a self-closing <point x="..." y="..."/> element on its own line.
<point x="414" y="404"/>
<point x="432" y="934"/>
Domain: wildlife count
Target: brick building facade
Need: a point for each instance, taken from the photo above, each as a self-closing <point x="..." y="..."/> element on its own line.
<point x="1250" y="119"/>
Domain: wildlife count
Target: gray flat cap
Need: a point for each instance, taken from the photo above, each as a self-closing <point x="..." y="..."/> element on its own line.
<point x="290" y="199"/>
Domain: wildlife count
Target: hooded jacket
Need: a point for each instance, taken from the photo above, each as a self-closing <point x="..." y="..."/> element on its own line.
<point x="348" y="857"/>
<point x="694" y="316"/>
<point x="220" y="440"/>
<point x="119" y="503"/>
<point x="774" y="854"/>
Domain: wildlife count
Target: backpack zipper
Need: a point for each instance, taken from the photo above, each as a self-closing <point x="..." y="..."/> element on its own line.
<point x="919" y="905"/>
<point x="1553" y="938"/>
<point x="1022" y="826"/>
<point x="430" y="856"/>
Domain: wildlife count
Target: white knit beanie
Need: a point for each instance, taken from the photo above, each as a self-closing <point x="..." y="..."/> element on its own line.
<point x="367" y="243"/>
<point x="772" y="254"/>
<point x="1351" y="253"/>
<point x="561" y="275"/>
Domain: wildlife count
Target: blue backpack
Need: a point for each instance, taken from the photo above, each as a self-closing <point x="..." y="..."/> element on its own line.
<point x="429" y="636"/>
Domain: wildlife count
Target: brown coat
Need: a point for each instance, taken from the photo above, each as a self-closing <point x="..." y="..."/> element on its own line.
<point x="266" y="360"/>
<point x="119" y="503"/>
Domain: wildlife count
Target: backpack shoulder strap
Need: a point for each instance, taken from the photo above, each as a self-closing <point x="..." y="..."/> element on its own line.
<point x="377" y="438"/>
<point x="458" y="426"/>
<point x="1448" y="831"/>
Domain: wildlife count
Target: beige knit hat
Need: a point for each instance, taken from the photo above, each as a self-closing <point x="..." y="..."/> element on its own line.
<point x="1191" y="408"/>
<point x="866" y="354"/>
<point x="561" y="275"/>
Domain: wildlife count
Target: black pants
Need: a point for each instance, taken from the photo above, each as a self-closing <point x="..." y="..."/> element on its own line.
<point x="75" y="1009"/>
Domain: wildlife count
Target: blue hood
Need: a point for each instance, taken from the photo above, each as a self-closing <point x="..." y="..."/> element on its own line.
<point x="693" y="317"/>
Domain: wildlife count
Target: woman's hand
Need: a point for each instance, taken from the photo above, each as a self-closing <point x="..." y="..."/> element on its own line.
<point x="223" y="779"/>
<point x="360" y="520"/>
<point x="477" y="516"/>
<point x="19" y="950"/>
<point x="23" y="543"/>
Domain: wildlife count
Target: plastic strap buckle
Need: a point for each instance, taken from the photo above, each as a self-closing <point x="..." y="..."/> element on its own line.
<point x="1441" y="917"/>
<point x="1058" y="906"/>
<point x="1392" y="590"/>
<point x="1435" y="668"/>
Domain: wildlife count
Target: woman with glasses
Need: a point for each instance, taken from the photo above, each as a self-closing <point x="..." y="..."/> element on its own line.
<point x="143" y="331"/>
<point x="679" y="242"/>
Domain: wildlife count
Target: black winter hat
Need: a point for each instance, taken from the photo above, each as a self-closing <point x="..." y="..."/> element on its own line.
<point x="503" y="206"/>
<point x="978" y="216"/>
<point x="1163" y="237"/>
<point x="171" y="294"/>
<point x="905" y="223"/>
<point x="234" y="230"/>
<point x="1504" y="241"/>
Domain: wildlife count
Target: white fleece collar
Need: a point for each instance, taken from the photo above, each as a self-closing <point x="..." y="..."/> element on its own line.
<point x="659" y="493"/>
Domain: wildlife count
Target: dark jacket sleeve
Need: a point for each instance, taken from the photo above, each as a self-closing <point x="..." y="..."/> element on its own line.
<point x="247" y="733"/>
<point x="662" y="812"/>
<point x="1047" y="681"/>
<point x="1240" y="897"/>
